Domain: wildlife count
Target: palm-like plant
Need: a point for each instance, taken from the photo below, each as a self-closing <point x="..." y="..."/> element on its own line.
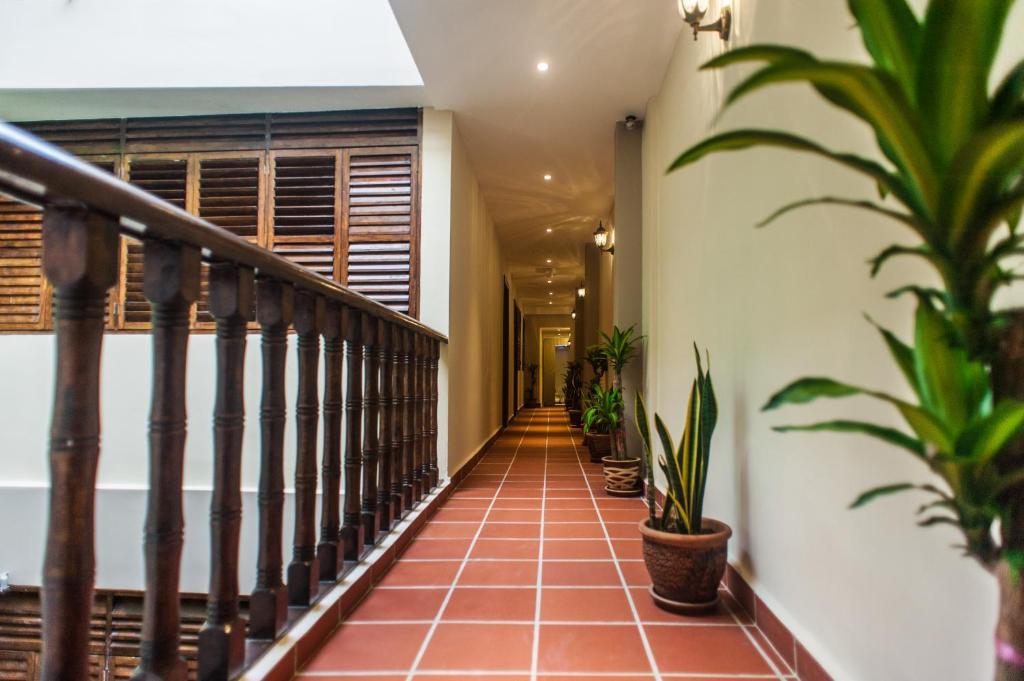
<point x="598" y="362"/>
<point x="603" y="412"/>
<point x="572" y="385"/>
<point x="619" y="349"/>
<point x="954" y="160"/>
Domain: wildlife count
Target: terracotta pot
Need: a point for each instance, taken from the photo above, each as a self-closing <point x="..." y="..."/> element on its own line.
<point x="621" y="476"/>
<point x="576" y="417"/>
<point x="600" y="445"/>
<point x="685" y="569"/>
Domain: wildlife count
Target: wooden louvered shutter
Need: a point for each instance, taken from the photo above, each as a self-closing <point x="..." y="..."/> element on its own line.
<point x="306" y="209"/>
<point x="230" y="196"/>
<point x="380" y="212"/>
<point x="23" y="289"/>
<point x="168" y="180"/>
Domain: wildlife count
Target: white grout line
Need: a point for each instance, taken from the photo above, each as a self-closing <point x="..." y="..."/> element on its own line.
<point x="767" y="658"/>
<point x="535" y="650"/>
<point x="618" y="569"/>
<point x="441" y="674"/>
<point x="462" y="566"/>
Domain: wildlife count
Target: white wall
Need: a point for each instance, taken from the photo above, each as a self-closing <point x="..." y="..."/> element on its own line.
<point x="871" y="595"/>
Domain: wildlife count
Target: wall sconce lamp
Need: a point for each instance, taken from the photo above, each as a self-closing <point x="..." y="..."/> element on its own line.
<point x="581" y="291"/>
<point x="693" y="14"/>
<point x="601" y="239"/>
<point x="573" y="314"/>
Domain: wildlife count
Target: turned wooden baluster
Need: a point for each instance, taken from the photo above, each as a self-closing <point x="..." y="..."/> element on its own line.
<point x="371" y="417"/>
<point x="386" y="425"/>
<point x="424" y="409"/>
<point x="435" y="356"/>
<point x="268" y="605"/>
<point x="304" y="571"/>
<point x="328" y="556"/>
<point x="171" y="284"/>
<point x="405" y="395"/>
<point x="352" y="527"/>
<point x="415" y="364"/>
<point x="397" y="461"/>
<point x="80" y="252"/>
<point x="231" y="299"/>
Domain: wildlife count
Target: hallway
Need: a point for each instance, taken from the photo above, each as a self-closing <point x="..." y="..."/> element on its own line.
<point x="530" y="571"/>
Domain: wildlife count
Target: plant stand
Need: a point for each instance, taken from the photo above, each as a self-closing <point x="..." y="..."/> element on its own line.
<point x="622" y="477"/>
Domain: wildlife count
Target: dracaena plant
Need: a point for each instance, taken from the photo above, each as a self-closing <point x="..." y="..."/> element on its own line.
<point x="598" y="362"/>
<point x="604" y="410"/>
<point x="685" y="467"/>
<point x="572" y="384"/>
<point x="619" y="349"/>
<point x="949" y="171"/>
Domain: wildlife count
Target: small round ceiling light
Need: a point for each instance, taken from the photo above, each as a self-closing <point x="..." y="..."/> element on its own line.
<point x="543" y="66"/>
<point x="548" y="261"/>
<point x="548" y="230"/>
<point x="547" y="177"/>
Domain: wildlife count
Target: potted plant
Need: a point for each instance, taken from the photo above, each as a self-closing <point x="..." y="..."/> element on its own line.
<point x="531" y="371"/>
<point x="600" y="420"/>
<point x="598" y="369"/>
<point x="685" y="553"/>
<point x="954" y="158"/>
<point x="573" y="392"/>
<point x="622" y="473"/>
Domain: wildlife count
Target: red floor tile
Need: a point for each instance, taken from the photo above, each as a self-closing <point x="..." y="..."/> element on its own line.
<point x="400" y="604"/>
<point x="510" y="531"/>
<point x="591" y="648"/>
<point x="573" y="516"/>
<point x="705" y="650"/>
<point x="462" y="515"/>
<point x="574" y="531"/>
<point x="505" y="548"/>
<point x="628" y="549"/>
<point x="413" y="573"/>
<point x="449" y="531"/>
<point x="437" y="548"/>
<point x="357" y="647"/>
<point x="589" y="549"/>
<point x="479" y="647"/>
<point x="591" y="573"/>
<point x="510" y="516"/>
<point x="635" y="573"/>
<point x="592" y="605"/>
<point x="499" y="573"/>
<point x="491" y="604"/>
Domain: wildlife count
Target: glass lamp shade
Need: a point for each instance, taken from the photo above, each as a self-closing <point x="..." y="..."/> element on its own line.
<point x="601" y="236"/>
<point x="689" y="8"/>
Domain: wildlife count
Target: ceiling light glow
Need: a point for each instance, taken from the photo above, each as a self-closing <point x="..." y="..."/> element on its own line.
<point x="548" y="230"/>
<point x="543" y="66"/>
<point x="547" y="177"/>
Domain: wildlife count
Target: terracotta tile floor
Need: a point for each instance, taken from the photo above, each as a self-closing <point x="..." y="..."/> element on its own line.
<point x="530" y="571"/>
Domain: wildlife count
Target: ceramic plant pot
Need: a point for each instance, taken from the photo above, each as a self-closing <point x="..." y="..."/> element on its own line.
<point x="622" y="476"/>
<point x="600" y="445"/>
<point x="686" y="569"/>
<point x="576" y="418"/>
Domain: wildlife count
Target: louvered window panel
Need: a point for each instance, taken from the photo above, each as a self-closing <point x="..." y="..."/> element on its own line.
<point x="229" y="197"/>
<point x="379" y="195"/>
<point x="305" y="196"/>
<point x="168" y="180"/>
<point x="380" y="270"/>
<point x="101" y="136"/>
<point x="22" y="287"/>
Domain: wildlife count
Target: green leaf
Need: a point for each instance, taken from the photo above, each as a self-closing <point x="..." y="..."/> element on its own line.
<point x="896" y="250"/>
<point x="770" y="54"/>
<point x="808" y="389"/>
<point x="870" y="95"/>
<point x="902" y="353"/>
<point x="938" y="520"/>
<point x="908" y="220"/>
<point x="977" y="181"/>
<point x="888" y="435"/>
<point x="987" y="437"/>
<point x="872" y="494"/>
<point x="892" y="35"/>
<point x="737" y="140"/>
<point x="1009" y="94"/>
<point x="943" y="371"/>
<point x="957" y="50"/>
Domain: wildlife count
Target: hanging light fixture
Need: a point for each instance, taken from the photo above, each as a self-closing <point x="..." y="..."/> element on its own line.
<point x="602" y="238"/>
<point x="693" y="11"/>
<point x="581" y="291"/>
<point x="573" y="314"/>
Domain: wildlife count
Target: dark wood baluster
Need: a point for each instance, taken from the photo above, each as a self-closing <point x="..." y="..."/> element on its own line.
<point x="171" y="284"/>
<point x="304" y="571"/>
<point x="352" y="527"/>
<point x="329" y="558"/>
<point x="386" y="425"/>
<point x="371" y="439"/>
<point x="80" y="252"/>
<point x="416" y="361"/>
<point x="222" y="638"/>
<point x="424" y="409"/>
<point x="405" y="394"/>
<point x="397" y="429"/>
<point x="268" y="606"/>
<point x="435" y="356"/>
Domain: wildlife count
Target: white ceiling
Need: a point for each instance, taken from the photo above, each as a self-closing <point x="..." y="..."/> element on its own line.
<point x="478" y="58"/>
<point x="475" y="57"/>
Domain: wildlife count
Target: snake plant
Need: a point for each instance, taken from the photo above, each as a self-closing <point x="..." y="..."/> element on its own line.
<point x="949" y="173"/>
<point x="686" y="466"/>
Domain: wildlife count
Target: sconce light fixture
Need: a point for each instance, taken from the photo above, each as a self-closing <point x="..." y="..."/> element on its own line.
<point x="573" y="315"/>
<point x="693" y="11"/>
<point x="581" y="291"/>
<point x="601" y="239"/>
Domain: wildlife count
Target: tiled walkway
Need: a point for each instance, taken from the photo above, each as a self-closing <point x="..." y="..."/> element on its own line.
<point x="528" y="572"/>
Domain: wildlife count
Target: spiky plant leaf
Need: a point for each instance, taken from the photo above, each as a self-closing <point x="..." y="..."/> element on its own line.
<point x="872" y="494"/>
<point x="888" y="435"/>
<point x="908" y="220"/>
<point x="892" y="34"/>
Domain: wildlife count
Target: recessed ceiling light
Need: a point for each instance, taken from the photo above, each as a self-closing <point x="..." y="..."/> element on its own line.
<point x="547" y="177"/>
<point x="549" y="261"/>
<point x="551" y="293"/>
<point x="548" y="230"/>
<point x="542" y="66"/>
<point x="549" y="281"/>
<point x="550" y="303"/>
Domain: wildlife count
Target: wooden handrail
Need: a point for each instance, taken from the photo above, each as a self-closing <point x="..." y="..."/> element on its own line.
<point x="37" y="172"/>
<point x="388" y="403"/>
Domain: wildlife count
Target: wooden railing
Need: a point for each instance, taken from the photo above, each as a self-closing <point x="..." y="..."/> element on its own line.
<point x="388" y="403"/>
